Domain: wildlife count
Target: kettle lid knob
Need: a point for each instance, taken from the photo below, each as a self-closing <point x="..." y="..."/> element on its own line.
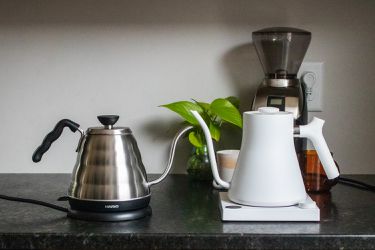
<point x="108" y="120"/>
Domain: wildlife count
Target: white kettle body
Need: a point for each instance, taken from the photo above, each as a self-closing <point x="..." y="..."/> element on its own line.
<point x="267" y="172"/>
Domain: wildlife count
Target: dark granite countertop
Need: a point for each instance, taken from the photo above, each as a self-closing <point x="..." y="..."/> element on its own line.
<point x="185" y="216"/>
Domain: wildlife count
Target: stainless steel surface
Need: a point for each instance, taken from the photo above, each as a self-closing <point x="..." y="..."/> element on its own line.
<point x="281" y="82"/>
<point x="81" y="131"/>
<point x="80" y="139"/>
<point x="109" y="167"/>
<point x="109" y="131"/>
<point x="102" y="200"/>
<point x="294" y="99"/>
<point x="171" y="154"/>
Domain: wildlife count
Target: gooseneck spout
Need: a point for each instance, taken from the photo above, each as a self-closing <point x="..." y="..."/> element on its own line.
<point x="172" y="150"/>
<point x="211" y="151"/>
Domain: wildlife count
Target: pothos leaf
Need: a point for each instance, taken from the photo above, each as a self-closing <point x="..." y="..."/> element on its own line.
<point x="234" y="100"/>
<point x="183" y="109"/>
<point x="226" y="111"/>
<point x="206" y="114"/>
<point x="215" y="131"/>
<point x="205" y="106"/>
<point x="195" y="139"/>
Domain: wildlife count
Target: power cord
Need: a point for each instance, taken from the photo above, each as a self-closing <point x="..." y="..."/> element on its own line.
<point x="356" y="184"/>
<point x="41" y="203"/>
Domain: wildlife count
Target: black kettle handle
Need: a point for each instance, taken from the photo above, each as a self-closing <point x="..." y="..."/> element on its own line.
<point x="53" y="136"/>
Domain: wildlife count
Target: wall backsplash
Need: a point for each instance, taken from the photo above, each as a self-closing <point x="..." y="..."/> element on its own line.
<point x="77" y="59"/>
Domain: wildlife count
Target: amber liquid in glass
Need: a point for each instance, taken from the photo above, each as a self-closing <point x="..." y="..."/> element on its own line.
<point x="313" y="173"/>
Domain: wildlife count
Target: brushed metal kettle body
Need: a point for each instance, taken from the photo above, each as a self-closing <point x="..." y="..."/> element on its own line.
<point x="109" y="167"/>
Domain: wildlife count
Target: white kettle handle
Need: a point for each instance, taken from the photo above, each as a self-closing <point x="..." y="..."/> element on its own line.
<point x="313" y="131"/>
<point x="211" y="151"/>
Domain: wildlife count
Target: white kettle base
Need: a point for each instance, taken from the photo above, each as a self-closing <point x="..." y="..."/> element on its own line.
<point x="230" y="211"/>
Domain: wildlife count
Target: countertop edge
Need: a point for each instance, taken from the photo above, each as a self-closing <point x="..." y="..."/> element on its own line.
<point x="183" y="241"/>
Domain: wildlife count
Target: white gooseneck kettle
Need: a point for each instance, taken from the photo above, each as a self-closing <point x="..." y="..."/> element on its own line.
<point x="267" y="172"/>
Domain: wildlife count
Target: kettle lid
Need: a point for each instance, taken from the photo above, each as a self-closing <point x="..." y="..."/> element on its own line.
<point x="268" y="110"/>
<point x="108" y="121"/>
<point x="271" y="111"/>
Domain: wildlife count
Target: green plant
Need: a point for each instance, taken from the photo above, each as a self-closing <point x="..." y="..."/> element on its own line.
<point x="215" y="114"/>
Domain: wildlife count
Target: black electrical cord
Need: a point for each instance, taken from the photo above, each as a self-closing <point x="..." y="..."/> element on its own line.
<point x="356" y="184"/>
<point x="42" y="203"/>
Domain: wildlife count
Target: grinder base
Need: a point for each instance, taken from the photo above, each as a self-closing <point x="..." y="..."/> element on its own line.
<point x="110" y="216"/>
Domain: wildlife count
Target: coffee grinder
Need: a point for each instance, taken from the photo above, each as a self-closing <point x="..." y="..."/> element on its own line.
<point x="281" y="51"/>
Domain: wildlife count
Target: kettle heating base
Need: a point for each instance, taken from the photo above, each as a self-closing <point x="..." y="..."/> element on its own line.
<point x="110" y="216"/>
<point x="230" y="211"/>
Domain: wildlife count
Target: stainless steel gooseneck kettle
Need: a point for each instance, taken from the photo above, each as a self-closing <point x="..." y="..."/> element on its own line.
<point x="109" y="175"/>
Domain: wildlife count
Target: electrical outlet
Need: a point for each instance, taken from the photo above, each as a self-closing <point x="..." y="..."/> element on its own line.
<point x="311" y="73"/>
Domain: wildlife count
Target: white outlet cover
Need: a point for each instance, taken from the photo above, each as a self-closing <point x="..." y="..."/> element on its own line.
<point x="317" y="68"/>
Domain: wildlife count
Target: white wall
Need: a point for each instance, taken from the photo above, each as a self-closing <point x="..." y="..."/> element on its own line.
<point x="77" y="59"/>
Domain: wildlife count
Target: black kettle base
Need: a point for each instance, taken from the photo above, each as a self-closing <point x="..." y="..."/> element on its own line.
<point x="110" y="216"/>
